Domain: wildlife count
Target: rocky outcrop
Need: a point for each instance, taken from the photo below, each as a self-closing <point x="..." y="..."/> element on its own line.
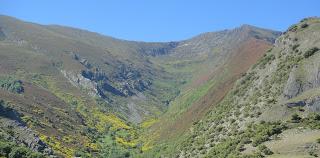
<point x="78" y="80"/>
<point x="296" y="104"/>
<point x="302" y="79"/>
<point x="18" y="132"/>
<point x="314" y="104"/>
<point x="293" y="86"/>
<point x="2" y="35"/>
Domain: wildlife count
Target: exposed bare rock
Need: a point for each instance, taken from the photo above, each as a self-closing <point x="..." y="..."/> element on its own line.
<point x="314" y="104"/>
<point x="78" y="80"/>
<point x="18" y="132"/>
<point x="2" y="35"/>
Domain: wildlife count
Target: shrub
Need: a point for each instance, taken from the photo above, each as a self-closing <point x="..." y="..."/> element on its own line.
<point x="317" y="117"/>
<point x="19" y="152"/>
<point x="11" y="84"/>
<point x="310" y="52"/>
<point x="305" y="25"/>
<point x="266" y="59"/>
<point x="36" y="155"/>
<point x="295" y="118"/>
<point x="264" y="149"/>
<point x="293" y="28"/>
<point x="5" y="149"/>
<point x="294" y="47"/>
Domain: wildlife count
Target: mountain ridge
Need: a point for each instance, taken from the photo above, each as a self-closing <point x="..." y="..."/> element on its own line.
<point x="109" y="92"/>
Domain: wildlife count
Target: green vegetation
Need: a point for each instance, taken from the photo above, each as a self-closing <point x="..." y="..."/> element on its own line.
<point x="295" y="118"/>
<point x="310" y="52"/>
<point x="265" y="150"/>
<point x="11" y="84"/>
<point x="266" y="60"/>
<point x="12" y="150"/>
<point x="304" y="25"/>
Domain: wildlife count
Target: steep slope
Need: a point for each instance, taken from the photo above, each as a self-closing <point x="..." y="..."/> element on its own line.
<point x="84" y="94"/>
<point x="106" y="67"/>
<point x="214" y="72"/>
<point x="272" y="110"/>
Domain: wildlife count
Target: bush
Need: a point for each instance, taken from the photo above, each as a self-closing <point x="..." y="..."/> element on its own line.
<point x="11" y="84"/>
<point x="294" y="47"/>
<point x="19" y="152"/>
<point x="264" y="149"/>
<point x="293" y="28"/>
<point x="36" y="155"/>
<point x="295" y="118"/>
<point x="13" y="150"/>
<point x="317" y="117"/>
<point x="305" y="25"/>
<point x="265" y="60"/>
<point x="310" y="52"/>
<point x="5" y="149"/>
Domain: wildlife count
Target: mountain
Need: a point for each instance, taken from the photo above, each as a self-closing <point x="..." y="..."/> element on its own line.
<point x="72" y="92"/>
<point x="271" y="111"/>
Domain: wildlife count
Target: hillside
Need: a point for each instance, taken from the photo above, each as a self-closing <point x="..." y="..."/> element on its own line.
<point x="73" y="92"/>
<point x="272" y="111"/>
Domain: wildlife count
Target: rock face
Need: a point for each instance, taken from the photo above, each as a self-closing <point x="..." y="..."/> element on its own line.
<point x="296" y="104"/>
<point x="293" y="86"/>
<point x="123" y="81"/>
<point x="78" y="80"/>
<point x="314" y="104"/>
<point x="11" y="123"/>
<point x="2" y="35"/>
<point x="303" y="78"/>
<point x="162" y="50"/>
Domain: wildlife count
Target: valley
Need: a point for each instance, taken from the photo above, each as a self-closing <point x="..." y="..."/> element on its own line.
<point x="242" y="92"/>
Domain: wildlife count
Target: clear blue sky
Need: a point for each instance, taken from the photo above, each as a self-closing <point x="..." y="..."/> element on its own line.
<point x="161" y="20"/>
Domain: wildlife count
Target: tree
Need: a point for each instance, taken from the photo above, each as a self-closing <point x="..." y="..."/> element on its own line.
<point x="19" y="152"/>
<point x="5" y="148"/>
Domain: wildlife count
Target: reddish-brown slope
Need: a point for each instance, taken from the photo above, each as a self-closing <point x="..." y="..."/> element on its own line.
<point x="243" y="57"/>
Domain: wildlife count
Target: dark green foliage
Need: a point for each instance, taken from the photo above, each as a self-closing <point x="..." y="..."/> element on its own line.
<point x="305" y="25"/>
<point x="294" y="47"/>
<point x="293" y="28"/>
<point x="5" y="148"/>
<point x="265" y="150"/>
<point x="225" y="149"/>
<point x="265" y="60"/>
<point x="19" y="152"/>
<point x="312" y="121"/>
<point x="13" y="150"/>
<point x="295" y="118"/>
<point x="81" y="153"/>
<point x="312" y="153"/>
<point x="316" y="117"/>
<point x="259" y="133"/>
<point x="11" y="84"/>
<point x="262" y="132"/>
<point x="318" y="140"/>
<point x="310" y="52"/>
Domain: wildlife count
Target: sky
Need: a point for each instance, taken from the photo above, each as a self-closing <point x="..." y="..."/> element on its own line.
<point x="161" y="20"/>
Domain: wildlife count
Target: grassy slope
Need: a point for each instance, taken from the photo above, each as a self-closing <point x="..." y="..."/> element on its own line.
<point x="37" y="54"/>
<point x="206" y="89"/>
<point x="225" y="130"/>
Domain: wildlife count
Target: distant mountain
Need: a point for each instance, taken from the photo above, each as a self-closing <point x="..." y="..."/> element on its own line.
<point x="271" y="111"/>
<point x="80" y="93"/>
